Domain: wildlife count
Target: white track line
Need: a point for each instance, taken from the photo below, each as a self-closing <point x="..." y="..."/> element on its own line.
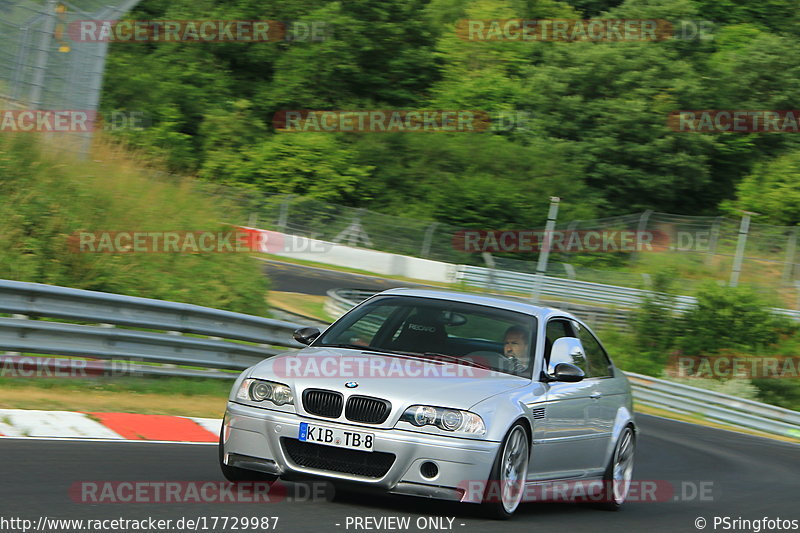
<point x="36" y="423"/>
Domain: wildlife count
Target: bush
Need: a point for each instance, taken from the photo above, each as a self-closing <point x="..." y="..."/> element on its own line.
<point x="655" y="327"/>
<point x="734" y="318"/>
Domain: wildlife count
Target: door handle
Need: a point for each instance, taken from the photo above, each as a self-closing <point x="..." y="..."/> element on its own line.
<point x="596" y="395"/>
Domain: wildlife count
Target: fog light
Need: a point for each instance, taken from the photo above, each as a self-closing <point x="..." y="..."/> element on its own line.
<point x="429" y="470"/>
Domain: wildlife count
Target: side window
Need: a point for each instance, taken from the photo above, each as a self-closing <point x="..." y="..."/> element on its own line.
<point x="599" y="364"/>
<point x="363" y="331"/>
<point x="555" y="329"/>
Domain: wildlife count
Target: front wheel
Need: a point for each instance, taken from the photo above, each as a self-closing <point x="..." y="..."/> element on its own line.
<point x="618" y="475"/>
<point x="506" y="484"/>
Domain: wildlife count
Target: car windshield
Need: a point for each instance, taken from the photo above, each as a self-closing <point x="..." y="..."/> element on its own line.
<point x="459" y="332"/>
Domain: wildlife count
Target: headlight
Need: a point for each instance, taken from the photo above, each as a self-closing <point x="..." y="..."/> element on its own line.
<point x="451" y="420"/>
<point x="256" y="390"/>
<point x="446" y="419"/>
<point x="424" y="415"/>
<point x="260" y="391"/>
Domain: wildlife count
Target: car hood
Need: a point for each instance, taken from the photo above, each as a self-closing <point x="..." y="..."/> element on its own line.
<point x="403" y="381"/>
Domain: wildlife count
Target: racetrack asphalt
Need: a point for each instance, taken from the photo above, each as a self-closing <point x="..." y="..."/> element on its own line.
<point x="744" y="477"/>
<point x="314" y="280"/>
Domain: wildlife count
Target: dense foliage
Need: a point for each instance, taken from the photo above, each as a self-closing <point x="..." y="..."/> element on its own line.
<point x="596" y="130"/>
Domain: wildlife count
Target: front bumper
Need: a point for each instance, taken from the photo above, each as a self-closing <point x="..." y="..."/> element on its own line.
<point x="252" y="439"/>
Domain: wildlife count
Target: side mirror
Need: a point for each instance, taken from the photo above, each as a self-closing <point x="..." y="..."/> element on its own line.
<point x="567" y="372"/>
<point x="566" y="350"/>
<point x="306" y="335"/>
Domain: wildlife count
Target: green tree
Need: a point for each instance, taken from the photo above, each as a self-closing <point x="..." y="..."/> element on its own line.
<point x="772" y="190"/>
<point x="312" y="164"/>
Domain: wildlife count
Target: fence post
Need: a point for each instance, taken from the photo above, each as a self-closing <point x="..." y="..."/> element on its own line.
<point x="490" y="264"/>
<point x="43" y="53"/>
<point x="283" y="216"/>
<point x="354" y="232"/>
<point x="426" y="242"/>
<point x="788" y="268"/>
<point x="712" y="241"/>
<point x="541" y="265"/>
<point x="642" y="227"/>
<point x="744" y="227"/>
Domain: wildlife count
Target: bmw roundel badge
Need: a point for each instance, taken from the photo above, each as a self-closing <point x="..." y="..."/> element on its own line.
<point x="351" y="384"/>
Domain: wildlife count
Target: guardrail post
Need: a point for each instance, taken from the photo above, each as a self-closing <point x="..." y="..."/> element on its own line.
<point x="541" y="266"/>
<point x="19" y="317"/>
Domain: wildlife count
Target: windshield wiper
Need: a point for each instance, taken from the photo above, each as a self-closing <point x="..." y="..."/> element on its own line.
<point x="345" y="345"/>
<point x="454" y="359"/>
<point x="364" y="348"/>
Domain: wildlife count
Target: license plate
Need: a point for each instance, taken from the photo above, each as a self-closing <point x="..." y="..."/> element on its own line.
<point x="355" y="440"/>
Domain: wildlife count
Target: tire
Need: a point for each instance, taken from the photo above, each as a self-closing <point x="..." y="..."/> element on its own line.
<point x="237" y="475"/>
<point x="619" y="472"/>
<point x="506" y="484"/>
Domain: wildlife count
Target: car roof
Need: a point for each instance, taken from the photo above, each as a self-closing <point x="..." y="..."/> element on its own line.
<point x="501" y="302"/>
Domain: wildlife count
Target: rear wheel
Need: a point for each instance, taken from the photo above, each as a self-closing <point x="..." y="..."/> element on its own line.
<point x="234" y="474"/>
<point x="618" y="475"/>
<point x="506" y="484"/>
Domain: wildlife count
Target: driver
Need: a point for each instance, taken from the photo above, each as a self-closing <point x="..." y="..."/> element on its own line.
<point x="516" y="348"/>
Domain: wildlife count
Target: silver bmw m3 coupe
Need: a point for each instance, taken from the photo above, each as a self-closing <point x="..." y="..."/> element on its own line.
<point x="444" y="395"/>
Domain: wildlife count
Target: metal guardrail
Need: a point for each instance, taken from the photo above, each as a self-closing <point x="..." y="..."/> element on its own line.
<point x="249" y="338"/>
<point x="340" y="301"/>
<point x="666" y="395"/>
<point x="35" y="299"/>
<point x="739" y="412"/>
<point x="609" y="295"/>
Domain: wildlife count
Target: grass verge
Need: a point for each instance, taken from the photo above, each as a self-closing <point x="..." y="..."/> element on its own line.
<point x="158" y="396"/>
<point x="309" y="305"/>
